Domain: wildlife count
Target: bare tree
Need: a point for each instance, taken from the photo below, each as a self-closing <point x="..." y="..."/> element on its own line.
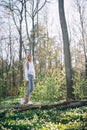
<point x="81" y="10"/>
<point x="17" y="15"/>
<point x="67" y="57"/>
<point x="36" y="6"/>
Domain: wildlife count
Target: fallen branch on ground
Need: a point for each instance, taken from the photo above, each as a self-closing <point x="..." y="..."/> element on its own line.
<point x="71" y="104"/>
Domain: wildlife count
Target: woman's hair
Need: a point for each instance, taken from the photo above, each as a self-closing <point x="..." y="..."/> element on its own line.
<point x="29" y="55"/>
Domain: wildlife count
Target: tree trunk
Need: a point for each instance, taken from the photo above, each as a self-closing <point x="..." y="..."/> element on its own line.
<point x="20" y="55"/>
<point x="33" y="37"/>
<point x="21" y="44"/>
<point x="26" y="23"/>
<point x="67" y="58"/>
<point x="65" y="104"/>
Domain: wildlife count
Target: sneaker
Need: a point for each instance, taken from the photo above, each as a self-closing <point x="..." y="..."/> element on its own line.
<point x="22" y="101"/>
<point x="26" y="99"/>
<point x="30" y="103"/>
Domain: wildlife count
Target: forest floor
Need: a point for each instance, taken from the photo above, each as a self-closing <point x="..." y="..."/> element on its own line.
<point x="49" y="118"/>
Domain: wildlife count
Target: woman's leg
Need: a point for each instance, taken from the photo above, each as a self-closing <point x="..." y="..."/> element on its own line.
<point x="30" y="87"/>
<point x="32" y="84"/>
<point x="27" y="96"/>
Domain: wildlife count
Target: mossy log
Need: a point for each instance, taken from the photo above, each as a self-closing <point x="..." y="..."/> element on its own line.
<point x="65" y="104"/>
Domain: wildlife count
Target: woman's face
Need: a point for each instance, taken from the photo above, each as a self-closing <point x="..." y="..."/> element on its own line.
<point x="29" y="58"/>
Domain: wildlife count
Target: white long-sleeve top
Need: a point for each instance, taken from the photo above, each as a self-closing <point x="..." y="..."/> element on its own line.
<point x="31" y="70"/>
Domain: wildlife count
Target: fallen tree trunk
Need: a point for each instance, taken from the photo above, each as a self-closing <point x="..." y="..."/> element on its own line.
<point x="71" y="104"/>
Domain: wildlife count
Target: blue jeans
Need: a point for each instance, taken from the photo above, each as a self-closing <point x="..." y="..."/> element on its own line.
<point x="30" y="85"/>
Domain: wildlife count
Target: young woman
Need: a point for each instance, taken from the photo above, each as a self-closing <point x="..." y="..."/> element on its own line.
<point x="29" y="73"/>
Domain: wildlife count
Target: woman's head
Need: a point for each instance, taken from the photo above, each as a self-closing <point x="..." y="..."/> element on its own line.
<point x="29" y="57"/>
